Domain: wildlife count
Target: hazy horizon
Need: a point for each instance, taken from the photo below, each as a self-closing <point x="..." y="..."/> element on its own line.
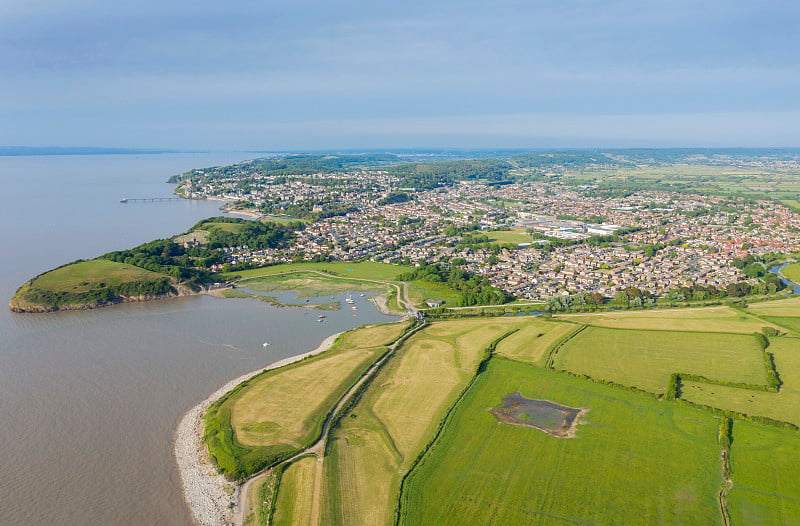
<point x="311" y="75"/>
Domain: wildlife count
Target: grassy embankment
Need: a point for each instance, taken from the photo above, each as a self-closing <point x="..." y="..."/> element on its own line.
<point x="279" y="412"/>
<point x="397" y="415"/>
<point x="87" y="283"/>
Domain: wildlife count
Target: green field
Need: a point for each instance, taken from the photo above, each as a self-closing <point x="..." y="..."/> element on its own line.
<point x="88" y="275"/>
<point x="97" y="281"/>
<point x="513" y="235"/>
<point x="792" y="272"/>
<point x="766" y="476"/>
<point x="310" y="285"/>
<point x="361" y="270"/>
<point x="646" y="359"/>
<point x="635" y="460"/>
<point x="533" y="341"/>
<point x="233" y="228"/>
<point x="713" y="319"/>
<point x="784" y="405"/>
<point x="419" y="291"/>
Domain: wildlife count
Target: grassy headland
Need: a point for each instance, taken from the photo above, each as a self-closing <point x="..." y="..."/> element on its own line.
<point x="87" y="284"/>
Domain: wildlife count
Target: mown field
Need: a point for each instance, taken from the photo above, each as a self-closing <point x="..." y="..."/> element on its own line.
<point x="397" y="415"/>
<point x="635" y="460"/>
<point x="646" y="359"/>
<point x="276" y="413"/>
<point x="513" y="235"/>
<point x="295" y="502"/>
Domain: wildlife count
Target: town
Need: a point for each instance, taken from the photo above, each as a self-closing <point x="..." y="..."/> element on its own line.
<point x="533" y="239"/>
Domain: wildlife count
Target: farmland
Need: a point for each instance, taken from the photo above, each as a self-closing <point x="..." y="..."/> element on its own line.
<point x="759" y="495"/>
<point x="646" y="359"/>
<point x="713" y="319"/>
<point x="397" y="415"/>
<point x="473" y="474"/>
<point x="421" y="444"/>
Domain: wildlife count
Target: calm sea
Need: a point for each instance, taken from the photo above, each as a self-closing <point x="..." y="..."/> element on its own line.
<point x="89" y="400"/>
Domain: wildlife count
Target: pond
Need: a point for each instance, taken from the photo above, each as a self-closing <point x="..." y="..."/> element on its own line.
<point x="554" y="419"/>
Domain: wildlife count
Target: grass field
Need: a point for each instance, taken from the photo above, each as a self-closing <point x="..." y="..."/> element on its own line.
<point x="287" y="407"/>
<point x="787" y="307"/>
<point x="766" y="476"/>
<point x="646" y="359"/>
<point x="397" y="415"/>
<point x="282" y="410"/>
<point x="234" y="228"/>
<point x="370" y="337"/>
<point x="785" y="322"/>
<point x="362" y="270"/>
<point x="419" y="291"/>
<point x="296" y="493"/>
<point x="792" y="272"/>
<point x="784" y="405"/>
<point x="513" y="235"/>
<point x="532" y="341"/>
<point x="635" y="460"/>
<point x="87" y="275"/>
<point x="310" y="285"/>
<point x="714" y="319"/>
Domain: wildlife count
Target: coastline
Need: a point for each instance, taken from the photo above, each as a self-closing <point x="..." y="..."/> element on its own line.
<point x="210" y="497"/>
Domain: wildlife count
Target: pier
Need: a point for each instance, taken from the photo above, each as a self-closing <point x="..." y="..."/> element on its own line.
<point x="149" y="199"/>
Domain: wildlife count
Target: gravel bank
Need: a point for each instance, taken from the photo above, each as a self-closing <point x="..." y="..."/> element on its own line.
<point x="210" y="497"/>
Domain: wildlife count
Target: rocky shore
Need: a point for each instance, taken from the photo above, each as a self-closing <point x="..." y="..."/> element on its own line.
<point x="210" y="496"/>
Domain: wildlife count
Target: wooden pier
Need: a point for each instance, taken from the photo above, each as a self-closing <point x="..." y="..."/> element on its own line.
<point x="149" y="199"/>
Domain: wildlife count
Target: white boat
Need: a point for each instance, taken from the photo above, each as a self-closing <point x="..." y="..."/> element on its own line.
<point x="265" y="344"/>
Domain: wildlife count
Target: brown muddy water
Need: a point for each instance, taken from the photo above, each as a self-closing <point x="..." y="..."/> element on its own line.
<point x="89" y="400"/>
<point x="546" y="416"/>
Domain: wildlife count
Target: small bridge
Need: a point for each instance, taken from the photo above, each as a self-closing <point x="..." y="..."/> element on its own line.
<point x="150" y="199"/>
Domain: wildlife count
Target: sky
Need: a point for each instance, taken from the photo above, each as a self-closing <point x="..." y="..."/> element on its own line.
<point x="357" y="74"/>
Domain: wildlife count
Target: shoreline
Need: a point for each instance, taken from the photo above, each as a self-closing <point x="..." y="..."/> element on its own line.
<point x="209" y="496"/>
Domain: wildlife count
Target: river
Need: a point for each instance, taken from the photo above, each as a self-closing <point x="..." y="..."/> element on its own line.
<point x="89" y="400"/>
<point x="777" y="271"/>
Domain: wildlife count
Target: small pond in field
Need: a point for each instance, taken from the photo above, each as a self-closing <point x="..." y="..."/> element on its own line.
<point x="554" y="419"/>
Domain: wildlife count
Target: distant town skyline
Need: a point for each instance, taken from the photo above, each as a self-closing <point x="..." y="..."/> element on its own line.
<point x="356" y="75"/>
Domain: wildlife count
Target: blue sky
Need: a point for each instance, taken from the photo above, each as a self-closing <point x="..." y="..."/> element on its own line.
<point x="356" y="74"/>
